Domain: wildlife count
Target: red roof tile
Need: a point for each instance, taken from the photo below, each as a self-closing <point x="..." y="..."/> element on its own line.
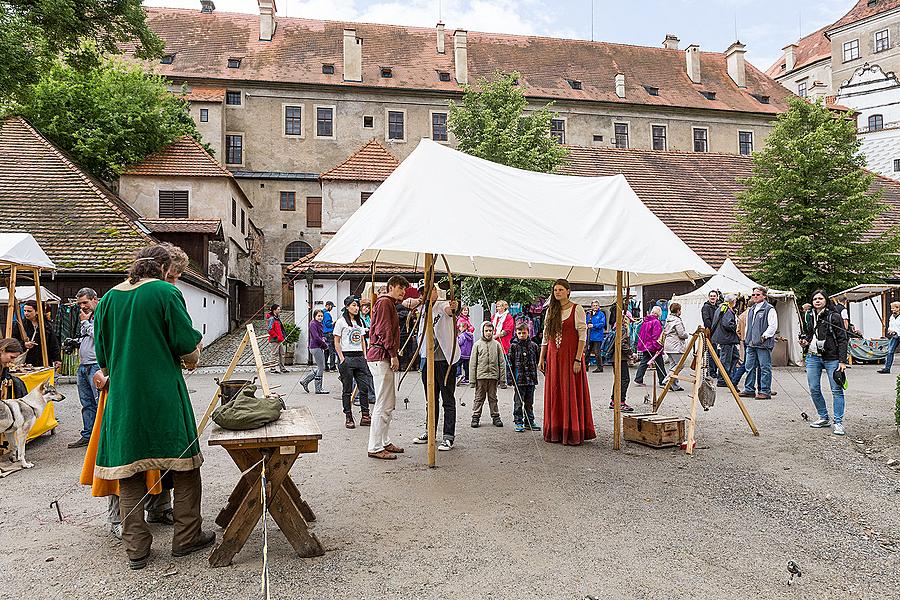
<point x="203" y="42"/>
<point x="207" y="226"/>
<point x="184" y="157"/>
<point x="200" y="93"/>
<point x="863" y="10"/>
<point x="372" y="162"/>
<point x="811" y="48"/>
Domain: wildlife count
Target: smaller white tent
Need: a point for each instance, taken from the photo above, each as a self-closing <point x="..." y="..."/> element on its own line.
<point x="731" y="280"/>
<point x="26" y="292"/>
<point x="23" y="249"/>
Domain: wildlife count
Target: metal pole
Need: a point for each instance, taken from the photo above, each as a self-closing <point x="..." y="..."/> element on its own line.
<point x="40" y="309"/>
<point x="11" y="307"/>
<point x="617" y="368"/>
<point x="429" y="354"/>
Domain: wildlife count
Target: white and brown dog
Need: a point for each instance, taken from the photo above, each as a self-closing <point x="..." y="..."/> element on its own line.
<point x="18" y="416"/>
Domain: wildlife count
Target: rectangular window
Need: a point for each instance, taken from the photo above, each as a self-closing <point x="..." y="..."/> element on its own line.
<point x="314" y="211"/>
<point x="876" y="123"/>
<point x="232" y="98"/>
<point x="851" y="50"/>
<point x="701" y="140"/>
<point x="173" y="204"/>
<point x="233" y="212"/>
<point x="234" y="149"/>
<point x="395" y="125"/>
<point x="801" y="89"/>
<point x="324" y="121"/>
<point x="882" y="40"/>
<point x="243" y="221"/>
<point x="288" y="200"/>
<point x="363" y="196"/>
<point x="439" y="127"/>
<point x="558" y="130"/>
<point x="293" y="123"/>
<point x="368" y="122"/>
<point x="745" y="142"/>
<point x="897" y="165"/>
<point x="621" y="130"/>
<point x="204" y="115"/>
<point x="659" y="137"/>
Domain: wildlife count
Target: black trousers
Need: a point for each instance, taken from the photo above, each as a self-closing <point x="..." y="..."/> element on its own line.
<point x="446" y="393"/>
<point x="355" y="369"/>
<point x="595" y="348"/>
<point x="625" y="378"/>
<point x="645" y="362"/>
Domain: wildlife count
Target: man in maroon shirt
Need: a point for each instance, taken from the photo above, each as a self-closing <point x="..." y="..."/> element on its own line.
<point x="384" y="345"/>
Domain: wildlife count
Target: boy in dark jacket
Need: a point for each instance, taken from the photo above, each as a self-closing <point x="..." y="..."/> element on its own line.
<point x="523" y="359"/>
<point x="724" y="336"/>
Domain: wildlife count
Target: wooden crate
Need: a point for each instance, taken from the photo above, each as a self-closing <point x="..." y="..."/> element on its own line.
<point x="654" y="430"/>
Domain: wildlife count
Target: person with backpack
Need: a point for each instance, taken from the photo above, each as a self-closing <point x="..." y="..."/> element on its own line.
<point x="825" y="339"/>
<point x="724" y="336"/>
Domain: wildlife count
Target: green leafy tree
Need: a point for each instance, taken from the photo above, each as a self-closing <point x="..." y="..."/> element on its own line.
<point x="491" y="122"/>
<point x="109" y="117"/>
<point x="807" y="213"/>
<point x="36" y="33"/>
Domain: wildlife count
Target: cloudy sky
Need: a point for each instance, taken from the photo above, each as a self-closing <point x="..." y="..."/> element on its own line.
<point x="765" y="26"/>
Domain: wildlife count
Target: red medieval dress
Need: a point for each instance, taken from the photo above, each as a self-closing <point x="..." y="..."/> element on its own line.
<point x="567" y="399"/>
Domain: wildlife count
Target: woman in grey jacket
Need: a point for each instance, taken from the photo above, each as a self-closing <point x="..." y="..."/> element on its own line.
<point x="674" y="337"/>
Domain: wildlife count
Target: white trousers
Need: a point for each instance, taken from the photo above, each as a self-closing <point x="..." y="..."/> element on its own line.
<point x="385" y="401"/>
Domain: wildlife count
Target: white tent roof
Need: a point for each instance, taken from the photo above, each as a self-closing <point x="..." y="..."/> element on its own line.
<point x="518" y="224"/>
<point x="26" y="292"/>
<point x="729" y="280"/>
<point x="23" y="249"/>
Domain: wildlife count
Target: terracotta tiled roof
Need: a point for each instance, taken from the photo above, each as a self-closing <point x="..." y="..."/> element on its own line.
<point x="372" y="162"/>
<point x="203" y="42"/>
<point x="207" y="226"/>
<point x="811" y="48"/>
<point x="863" y="10"/>
<point x="297" y="269"/>
<point x="184" y="157"/>
<point x="200" y="93"/>
<point x="78" y="222"/>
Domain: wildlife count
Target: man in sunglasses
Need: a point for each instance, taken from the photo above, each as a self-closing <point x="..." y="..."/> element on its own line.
<point x="759" y="337"/>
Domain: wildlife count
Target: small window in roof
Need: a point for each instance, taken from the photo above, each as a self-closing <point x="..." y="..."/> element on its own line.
<point x="167" y="59"/>
<point x="653" y="91"/>
<point x="574" y="84"/>
<point x="709" y="95"/>
<point x="762" y="99"/>
<point x="234" y="63"/>
<point x="443" y="76"/>
<point x="387" y="72"/>
<point x="328" y="69"/>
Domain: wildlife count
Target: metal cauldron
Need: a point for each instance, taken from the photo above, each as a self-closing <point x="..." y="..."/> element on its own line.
<point x="230" y="388"/>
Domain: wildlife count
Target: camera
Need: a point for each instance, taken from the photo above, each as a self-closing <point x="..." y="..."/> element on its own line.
<point x="71" y="345"/>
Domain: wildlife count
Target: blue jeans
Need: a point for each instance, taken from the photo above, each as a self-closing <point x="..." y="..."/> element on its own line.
<point x="814" y="367"/>
<point x="892" y="347"/>
<point x="89" y="395"/>
<point x="758" y="359"/>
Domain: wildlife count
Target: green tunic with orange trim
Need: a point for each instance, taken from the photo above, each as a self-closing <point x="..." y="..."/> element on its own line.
<point x="141" y="332"/>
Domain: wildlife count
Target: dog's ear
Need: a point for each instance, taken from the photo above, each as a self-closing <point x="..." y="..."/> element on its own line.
<point x="43" y="386"/>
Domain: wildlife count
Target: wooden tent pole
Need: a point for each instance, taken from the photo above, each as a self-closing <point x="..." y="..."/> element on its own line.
<point x="429" y="353"/>
<point x="695" y="394"/>
<point x="10" y="309"/>
<point x="40" y="310"/>
<point x="617" y="367"/>
<point x="734" y="392"/>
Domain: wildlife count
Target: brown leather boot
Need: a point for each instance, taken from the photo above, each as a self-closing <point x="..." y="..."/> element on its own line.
<point x="348" y="423"/>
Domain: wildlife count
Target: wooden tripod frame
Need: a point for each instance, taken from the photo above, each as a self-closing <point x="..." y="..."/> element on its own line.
<point x="700" y="344"/>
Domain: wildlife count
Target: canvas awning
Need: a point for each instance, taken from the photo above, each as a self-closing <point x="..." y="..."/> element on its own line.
<point x="25" y="293"/>
<point x="864" y="291"/>
<point x="730" y="280"/>
<point x="23" y="250"/>
<point x="518" y="224"/>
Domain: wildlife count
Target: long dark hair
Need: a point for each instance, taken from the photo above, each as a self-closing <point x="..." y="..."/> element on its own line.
<point x="554" y="311"/>
<point x="150" y="262"/>
<point x="346" y="313"/>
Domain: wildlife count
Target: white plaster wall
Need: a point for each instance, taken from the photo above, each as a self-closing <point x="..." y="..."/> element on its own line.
<point x="323" y="290"/>
<point x="866" y="317"/>
<point x="209" y="312"/>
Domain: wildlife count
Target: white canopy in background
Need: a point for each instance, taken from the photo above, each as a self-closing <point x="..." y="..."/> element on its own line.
<point x="22" y="249"/>
<point x="525" y="225"/>
<point x="26" y="292"/>
<point x="731" y="280"/>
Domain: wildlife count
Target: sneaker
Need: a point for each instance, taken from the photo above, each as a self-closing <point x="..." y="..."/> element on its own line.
<point x="533" y="426"/>
<point x="305" y="386"/>
<point x="677" y="388"/>
<point x="498" y="422"/>
<point x="885" y="371"/>
<point x="475" y="423"/>
<point x="640" y="384"/>
<point x="80" y="443"/>
<point x="116" y="530"/>
<point x="322" y="392"/>
<point x="626" y="408"/>
<point x="839" y="429"/>
<point x="821" y="423"/>
<point x="519" y="427"/>
<point x="422" y="439"/>
<point x="276" y="371"/>
<point x="445" y="445"/>
<point x="356" y="402"/>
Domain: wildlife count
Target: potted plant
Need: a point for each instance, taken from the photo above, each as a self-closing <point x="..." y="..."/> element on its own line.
<point x="290" y="342"/>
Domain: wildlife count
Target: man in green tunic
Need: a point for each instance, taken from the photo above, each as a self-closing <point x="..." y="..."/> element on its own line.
<point x="143" y="333"/>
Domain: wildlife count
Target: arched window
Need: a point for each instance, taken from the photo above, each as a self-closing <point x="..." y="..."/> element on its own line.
<point x="876" y="123"/>
<point x="295" y="251"/>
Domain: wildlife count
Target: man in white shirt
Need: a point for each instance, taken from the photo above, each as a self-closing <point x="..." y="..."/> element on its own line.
<point x="893" y="334"/>
<point x="759" y="338"/>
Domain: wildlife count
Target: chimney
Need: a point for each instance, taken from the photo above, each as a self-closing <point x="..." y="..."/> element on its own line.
<point x="692" y="56"/>
<point x="352" y="56"/>
<point x="461" y="56"/>
<point x="671" y="42"/>
<point x="790" y="57"/>
<point x="207" y="6"/>
<point x="266" y="20"/>
<point x="737" y="66"/>
<point x="440" y="38"/>
<point x="620" y="85"/>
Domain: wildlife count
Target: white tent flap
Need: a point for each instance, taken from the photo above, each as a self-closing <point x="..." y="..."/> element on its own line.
<point x="26" y="292"/>
<point x="22" y="249"/>
<point x="521" y="224"/>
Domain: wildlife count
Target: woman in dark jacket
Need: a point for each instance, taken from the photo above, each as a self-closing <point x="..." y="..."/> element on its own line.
<point x="317" y="347"/>
<point x="10" y="385"/>
<point x="825" y="340"/>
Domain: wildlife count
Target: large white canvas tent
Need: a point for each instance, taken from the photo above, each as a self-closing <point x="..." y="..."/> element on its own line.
<point x="731" y="280"/>
<point x="25" y="293"/>
<point x="22" y="249"/>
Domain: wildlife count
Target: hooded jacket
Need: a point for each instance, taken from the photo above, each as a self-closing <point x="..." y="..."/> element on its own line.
<point x="648" y="337"/>
<point x="724" y="326"/>
<point x="486" y="361"/>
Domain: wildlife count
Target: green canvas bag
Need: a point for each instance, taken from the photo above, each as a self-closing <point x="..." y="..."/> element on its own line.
<point x="247" y="411"/>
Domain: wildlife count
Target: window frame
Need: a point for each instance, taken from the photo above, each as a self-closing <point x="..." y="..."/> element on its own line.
<point x="363" y="196"/>
<point x="372" y="126"/>
<point x="239" y="134"/>
<point x="665" y="137"/>
<point x="802" y="89"/>
<point x="333" y="108"/>
<point x="243" y="221"/>
<point x="615" y="138"/>
<point x="172" y="190"/>
<point x="565" y="125"/>
<point x="887" y="40"/>
<point x="741" y="143"/>
<point x="204" y="115"/>
<point x="694" y="131"/>
<point x="282" y="194"/>
<point x="285" y="256"/>
<point x="240" y="94"/>
<point x="387" y="125"/>
<point x="431" y="115"/>
<point x="284" y="108"/>
<point x="233" y="211"/>
<point x="850" y="46"/>
<point x="309" y="224"/>
<point x="879" y="122"/>
<point x="896" y="165"/>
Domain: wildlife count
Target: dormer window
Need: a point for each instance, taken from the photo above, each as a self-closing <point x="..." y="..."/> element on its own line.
<point x="574" y="84"/>
<point x="653" y="91"/>
<point x="167" y="59"/>
<point x="709" y="95"/>
<point x="234" y="63"/>
<point x="443" y="76"/>
<point x="387" y="72"/>
<point x="761" y="98"/>
<point x="328" y="69"/>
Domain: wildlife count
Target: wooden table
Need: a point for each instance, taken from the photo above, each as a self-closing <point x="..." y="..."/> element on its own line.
<point x="279" y="444"/>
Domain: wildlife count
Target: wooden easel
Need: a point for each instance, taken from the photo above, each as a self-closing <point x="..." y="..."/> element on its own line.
<point x="700" y="344"/>
<point x="249" y="338"/>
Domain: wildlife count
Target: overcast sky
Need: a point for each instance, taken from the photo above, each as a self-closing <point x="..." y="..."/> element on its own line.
<point x="765" y="26"/>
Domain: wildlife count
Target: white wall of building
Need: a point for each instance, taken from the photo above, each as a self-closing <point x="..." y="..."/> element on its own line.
<point x="323" y="290"/>
<point x="866" y="317"/>
<point x="209" y="312"/>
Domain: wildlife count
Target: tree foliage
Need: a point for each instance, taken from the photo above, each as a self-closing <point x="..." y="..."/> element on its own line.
<point x="491" y="123"/>
<point x="807" y="213"/>
<point x="109" y="117"/>
<point x="36" y="33"/>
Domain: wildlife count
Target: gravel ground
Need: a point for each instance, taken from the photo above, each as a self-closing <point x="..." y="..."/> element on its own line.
<point x="507" y="516"/>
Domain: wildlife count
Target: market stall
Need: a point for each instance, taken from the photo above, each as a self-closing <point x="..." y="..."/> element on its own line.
<point x="868" y="318"/>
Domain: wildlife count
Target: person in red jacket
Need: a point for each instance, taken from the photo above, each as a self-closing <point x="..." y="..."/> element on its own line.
<point x="504" y="330"/>
<point x="276" y="337"/>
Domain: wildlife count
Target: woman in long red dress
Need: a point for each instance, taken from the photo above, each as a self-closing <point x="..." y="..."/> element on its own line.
<point x="567" y="399"/>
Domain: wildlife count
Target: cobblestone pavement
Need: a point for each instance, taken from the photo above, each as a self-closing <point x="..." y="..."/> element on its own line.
<point x="220" y="352"/>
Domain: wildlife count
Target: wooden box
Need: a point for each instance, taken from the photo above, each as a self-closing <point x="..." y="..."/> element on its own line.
<point x="653" y="430"/>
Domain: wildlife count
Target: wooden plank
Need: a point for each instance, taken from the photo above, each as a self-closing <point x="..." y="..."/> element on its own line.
<point x="244" y="484"/>
<point x="40" y="312"/>
<point x="617" y="367"/>
<point x="294" y="493"/>
<point x="294" y="527"/>
<point x="295" y="425"/>
<point x="676" y="371"/>
<point x="260" y="367"/>
<point x="429" y="356"/>
<point x="228" y="373"/>
<point x="10" y="308"/>
<point x="695" y="394"/>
